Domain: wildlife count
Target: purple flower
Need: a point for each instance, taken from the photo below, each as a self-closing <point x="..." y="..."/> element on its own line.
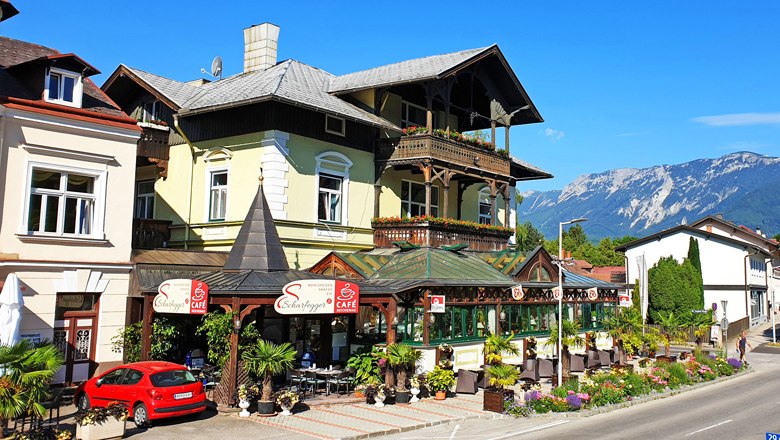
<point x="533" y="395"/>
<point x="574" y="401"/>
<point x="735" y="363"/>
<point x="712" y="356"/>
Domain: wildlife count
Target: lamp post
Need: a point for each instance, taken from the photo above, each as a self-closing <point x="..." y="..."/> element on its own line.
<point x="560" y="291"/>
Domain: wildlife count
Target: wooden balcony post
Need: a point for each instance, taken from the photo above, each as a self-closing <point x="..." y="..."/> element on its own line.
<point x="429" y="108"/>
<point x="493" y="133"/>
<point x="378" y="171"/>
<point x="506" y="137"/>
<point x="493" y="210"/>
<point x="427" y="170"/>
<point x="146" y="330"/>
<point x="506" y="191"/>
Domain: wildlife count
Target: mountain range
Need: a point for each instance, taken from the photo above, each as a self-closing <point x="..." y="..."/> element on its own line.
<point x="744" y="187"/>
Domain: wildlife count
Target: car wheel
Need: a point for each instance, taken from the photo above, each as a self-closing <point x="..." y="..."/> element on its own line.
<point x="141" y="416"/>
<point x="83" y="402"/>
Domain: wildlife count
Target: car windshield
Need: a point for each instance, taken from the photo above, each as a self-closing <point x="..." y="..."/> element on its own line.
<point x="172" y="378"/>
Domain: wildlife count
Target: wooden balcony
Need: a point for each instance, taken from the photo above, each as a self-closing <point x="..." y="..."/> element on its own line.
<point x="430" y="234"/>
<point x="407" y="149"/>
<point x="150" y="233"/>
<point x="153" y="143"/>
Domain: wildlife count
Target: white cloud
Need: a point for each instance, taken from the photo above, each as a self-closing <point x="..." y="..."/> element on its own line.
<point x="554" y="135"/>
<point x="739" y="119"/>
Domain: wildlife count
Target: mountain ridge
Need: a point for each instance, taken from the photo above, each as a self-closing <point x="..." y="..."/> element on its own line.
<point x="743" y="186"/>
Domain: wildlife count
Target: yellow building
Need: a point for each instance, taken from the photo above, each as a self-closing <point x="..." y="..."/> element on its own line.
<point x="345" y="162"/>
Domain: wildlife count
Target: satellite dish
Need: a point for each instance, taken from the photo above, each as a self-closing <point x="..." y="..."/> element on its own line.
<point x="216" y="67"/>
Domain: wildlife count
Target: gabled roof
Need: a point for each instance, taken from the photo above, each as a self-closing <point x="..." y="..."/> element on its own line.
<point x="684" y="229"/>
<point x="404" y="72"/>
<point x="289" y="81"/>
<point x="14" y="78"/>
<point x="456" y="268"/>
<point x="712" y="219"/>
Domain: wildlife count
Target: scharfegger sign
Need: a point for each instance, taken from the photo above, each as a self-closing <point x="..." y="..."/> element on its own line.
<point x="318" y="297"/>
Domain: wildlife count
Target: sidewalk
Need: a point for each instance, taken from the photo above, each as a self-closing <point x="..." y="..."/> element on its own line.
<point x="361" y="420"/>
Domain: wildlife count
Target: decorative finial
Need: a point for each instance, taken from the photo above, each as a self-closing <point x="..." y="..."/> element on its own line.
<point x="261" y="176"/>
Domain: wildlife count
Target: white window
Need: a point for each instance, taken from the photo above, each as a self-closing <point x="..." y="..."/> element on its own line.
<point x="62" y="203"/>
<point x="332" y="187"/>
<point x="144" y="199"/>
<point x="218" y="191"/>
<point x="485" y="214"/>
<point x="152" y="111"/>
<point x="334" y="125"/>
<point x="63" y="87"/>
<point x="413" y="115"/>
<point x="413" y="199"/>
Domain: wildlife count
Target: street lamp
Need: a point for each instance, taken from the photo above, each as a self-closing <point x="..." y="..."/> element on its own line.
<point x="560" y="292"/>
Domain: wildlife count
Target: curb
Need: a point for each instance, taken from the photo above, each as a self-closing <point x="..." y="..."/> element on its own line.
<point x="639" y="400"/>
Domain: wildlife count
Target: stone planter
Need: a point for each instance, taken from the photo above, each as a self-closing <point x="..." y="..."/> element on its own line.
<point x="266" y="408"/>
<point x="286" y="410"/>
<point x="415" y="392"/>
<point x="379" y="400"/>
<point x="494" y="399"/>
<point x="110" y="429"/>
<point x="244" y="404"/>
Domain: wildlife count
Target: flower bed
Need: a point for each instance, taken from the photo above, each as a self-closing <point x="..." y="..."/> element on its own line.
<point x="607" y="388"/>
<point x="438" y="221"/>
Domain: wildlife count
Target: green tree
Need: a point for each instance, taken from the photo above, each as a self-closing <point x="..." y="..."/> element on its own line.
<point x="265" y="359"/>
<point x="776" y="237"/>
<point x="693" y="253"/>
<point x="674" y="287"/>
<point x="528" y="237"/>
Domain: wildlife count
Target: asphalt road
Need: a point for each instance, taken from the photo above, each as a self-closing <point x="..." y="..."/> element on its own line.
<point x="746" y="407"/>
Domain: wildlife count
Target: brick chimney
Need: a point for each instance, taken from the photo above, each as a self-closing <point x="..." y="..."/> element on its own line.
<point x="260" y="44"/>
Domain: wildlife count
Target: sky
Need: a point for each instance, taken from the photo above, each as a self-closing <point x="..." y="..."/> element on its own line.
<point x="619" y="84"/>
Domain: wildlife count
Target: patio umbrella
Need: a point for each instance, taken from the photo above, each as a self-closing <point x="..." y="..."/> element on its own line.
<point x="11" y="303"/>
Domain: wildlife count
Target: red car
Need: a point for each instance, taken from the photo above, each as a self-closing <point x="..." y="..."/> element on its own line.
<point x="152" y="390"/>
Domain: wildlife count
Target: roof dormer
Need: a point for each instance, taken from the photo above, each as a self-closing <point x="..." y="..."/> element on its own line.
<point x="63" y="87"/>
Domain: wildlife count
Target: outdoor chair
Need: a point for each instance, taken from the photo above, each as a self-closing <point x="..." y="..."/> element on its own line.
<point x="340" y="380"/>
<point x="467" y="382"/>
<point x="594" y="361"/>
<point x="576" y="363"/>
<point x="544" y="367"/>
<point x="530" y="373"/>
<point x="605" y="358"/>
<point x="313" y="382"/>
<point x="296" y="378"/>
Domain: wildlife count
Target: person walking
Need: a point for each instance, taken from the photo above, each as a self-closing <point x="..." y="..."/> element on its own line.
<point x="742" y="343"/>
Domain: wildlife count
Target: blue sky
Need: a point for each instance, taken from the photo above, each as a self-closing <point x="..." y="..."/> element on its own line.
<point x="620" y="84"/>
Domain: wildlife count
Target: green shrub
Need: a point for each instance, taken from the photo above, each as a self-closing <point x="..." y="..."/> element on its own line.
<point x="635" y="385"/>
<point x="677" y="375"/>
<point x="607" y="393"/>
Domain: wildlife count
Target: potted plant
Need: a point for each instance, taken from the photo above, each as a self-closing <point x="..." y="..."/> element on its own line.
<point x="366" y="365"/>
<point x="446" y="364"/>
<point x="414" y="388"/>
<point x="379" y="393"/>
<point x="496" y="346"/>
<point x="360" y="390"/>
<point x="286" y="400"/>
<point x="402" y="358"/>
<point x="100" y="423"/>
<point x="440" y="381"/>
<point x="501" y="377"/>
<point x="570" y="337"/>
<point x="245" y="395"/>
<point x="263" y="360"/>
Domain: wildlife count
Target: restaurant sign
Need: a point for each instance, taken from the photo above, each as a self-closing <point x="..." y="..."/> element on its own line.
<point x="437" y="303"/>
<point x="593" y="293"/>
<point x="184" y="296"/>
<point x="517" y="292"/>
<point x="318" y="297"/>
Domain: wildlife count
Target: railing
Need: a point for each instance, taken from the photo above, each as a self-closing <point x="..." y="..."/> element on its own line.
<point x="435" y="235"/>
<point x="447" y="150"/>
<point x="153" y="142"/>
<point x="150" y="233"/>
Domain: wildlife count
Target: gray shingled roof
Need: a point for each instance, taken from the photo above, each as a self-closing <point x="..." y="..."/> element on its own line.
<point x="178" y="92"/>
<point x="533" y="168"/>
<point x="290" y="81"/>
<point x="405" y="71"/>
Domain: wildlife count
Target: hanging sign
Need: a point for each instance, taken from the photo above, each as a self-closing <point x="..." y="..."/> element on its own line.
<point x="318" y="297"/>
<point x="557" y="293"/>
<point x="593" y="293"/>
<point x="624" y="299"/>
<point x="188" y="297"/>
<point x="517" y="292"/>
<point x="437" y="303"/>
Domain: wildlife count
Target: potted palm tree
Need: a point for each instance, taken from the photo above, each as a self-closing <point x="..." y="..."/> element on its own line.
<point x="402" y="358"/>
<point x="501" y="377"/>
<point x="496" y="347"/>
<point x="570" y="337"/>
<point x="263" y="360"/>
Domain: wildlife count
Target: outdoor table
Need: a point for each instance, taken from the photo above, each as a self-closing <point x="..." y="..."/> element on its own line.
<point x="324" y="372"/>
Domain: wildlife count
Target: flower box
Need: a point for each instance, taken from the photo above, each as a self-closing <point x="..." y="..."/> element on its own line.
<point x="494" y="399"/>
<point x="111" y="428"/>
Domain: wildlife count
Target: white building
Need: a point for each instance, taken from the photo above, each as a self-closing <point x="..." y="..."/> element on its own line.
<point x="736" y="265"/>
<point x="67" y="167"/>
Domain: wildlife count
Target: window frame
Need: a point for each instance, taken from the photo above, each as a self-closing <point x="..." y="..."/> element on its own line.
<point x="405" y="122"/>
<point x="209" y="191"/>
<point x="98" y="197"/>
<point x="335" y="165"/>
<point x="78" y="87"/>
<point x="343" y="125"/>
<point x="484" y="219"/>
<point x="409" y="202"/>
<point x="147" y="198"/>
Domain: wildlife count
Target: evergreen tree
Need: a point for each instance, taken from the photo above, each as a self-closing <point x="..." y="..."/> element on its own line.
<point x="674" y="287"/>
<point x="693" y="253"/>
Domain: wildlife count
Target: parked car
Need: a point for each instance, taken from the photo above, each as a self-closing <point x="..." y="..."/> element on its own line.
<point x="151" y="390"/>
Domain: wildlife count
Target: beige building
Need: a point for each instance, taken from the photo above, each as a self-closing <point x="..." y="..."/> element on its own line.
<point x="67" y="167"/>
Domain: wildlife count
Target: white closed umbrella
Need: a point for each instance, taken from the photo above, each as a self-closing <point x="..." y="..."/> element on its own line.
<point x="11" y="303"/>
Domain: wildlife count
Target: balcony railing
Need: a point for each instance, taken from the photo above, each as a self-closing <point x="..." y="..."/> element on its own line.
<point x="437" y="235"/>
<point x="150" y="233"/>
<point x="154" y="142"/>
<point x="402" y="150"/>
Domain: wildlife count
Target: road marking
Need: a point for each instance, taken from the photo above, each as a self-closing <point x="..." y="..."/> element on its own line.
<point x="535" y="428"/>
<point x="709" y="427"/>
<point x="452" y="436"/>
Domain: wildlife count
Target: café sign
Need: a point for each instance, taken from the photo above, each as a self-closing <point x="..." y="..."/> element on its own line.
<point x="318" y="297"/>
<point x="183" y="296"/>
